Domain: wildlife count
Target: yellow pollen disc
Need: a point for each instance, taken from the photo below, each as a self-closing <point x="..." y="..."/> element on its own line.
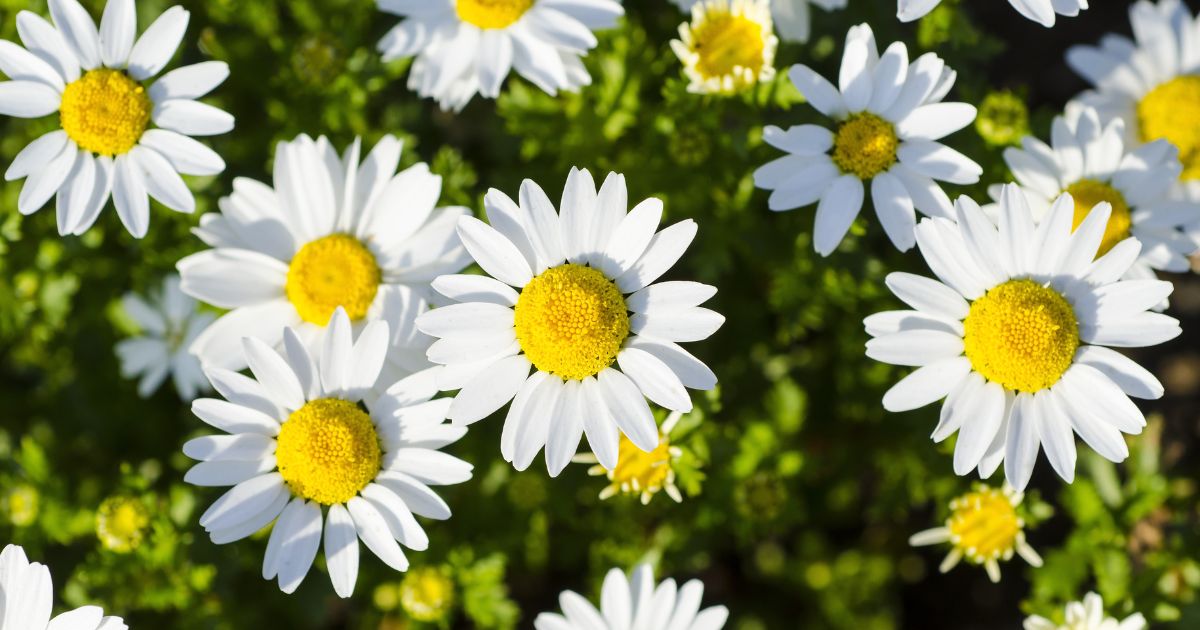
<point x="1172" y="111"/>
<point x="725" y="41"/>
<point x="1021" y="335"/>
<point x="1089" y="192"/>
<point x="492" y="14"/>
<point x="105" y="111"/>
<point x="121" y="523"/>
<point x="332" y="271"/>
<point x="328" y="451"/>
<point x="865" y="145"/>
<point x="571" y="321"/>
<point x="639" y="469"/>
<point x="984" y="525"/>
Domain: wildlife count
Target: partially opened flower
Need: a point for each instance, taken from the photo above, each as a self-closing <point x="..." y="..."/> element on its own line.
<point x="27" y="594"/>
<point x="332" y="232"/>
<point x="122" y="134"/>
<point x="636" y="603"/>
<point x="1041" y="11"/>
<point x="888" y="118"/>
<point x="309" y="449"/>
<point x="727" y="47"/>
<point x="640" y="473"/>
<point x="468" y="47"/>
<point x="1015" y="335"/>
<point x="571" y="297"/>
<point x="792" y="18"/>
<point x="1087" y="615"/>
<point x="169" y="322"/>
<point x="984" y="528"/>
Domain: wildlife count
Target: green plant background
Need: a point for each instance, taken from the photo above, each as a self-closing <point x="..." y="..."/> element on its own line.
<point x="800" y="491"/>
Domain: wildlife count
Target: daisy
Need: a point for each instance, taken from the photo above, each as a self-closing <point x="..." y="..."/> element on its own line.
<point x="1040" y="11"/>
<point x="1092" y="162"/>
<point x="306" y="451"/>
<point x="1152" y="82"/>
<point x="983" y="527"/>
<point x="170" y="323"/>
<point x="888" y="116"/>
<point x="1016" y="336"/>
<point x="792" y="18"/>
<point x="331" y="233"/>
<point x="26" y="594"/>
<point x="728" y="46"/>
<point x="598" y="335"/>
<point x="1087" y="615"/>
<point x="640" y="473"/>
<point x="465" y="47"/>
<point x="121" y="134"/>
<point x="636" y="603"/>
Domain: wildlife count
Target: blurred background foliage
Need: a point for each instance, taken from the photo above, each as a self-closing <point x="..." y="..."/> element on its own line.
<point x="800" y="492"/>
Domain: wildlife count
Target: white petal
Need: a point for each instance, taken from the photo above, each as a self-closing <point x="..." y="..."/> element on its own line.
<point x="628" y="408"/>
<point x="487" y="392"/>
<point x="341" y="550"/>
<point x="158" y="43"/>
<point x="927" y="384"/>
<point x="495" y="253"/>
<point x="118" y="27"/>
<point x="654" y="379"/>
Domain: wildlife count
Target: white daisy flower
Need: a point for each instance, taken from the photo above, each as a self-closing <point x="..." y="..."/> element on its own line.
<point x="1092" y="162"/>
<point x="792" y="18"/>
<point x="331" y="233"/>
<point x="27" y="594"/>
<point x="1041" y="11"/>
<point x="1016" y="336"/>
<point x="889" y="116"/>
<point x="170" y="322"/>
<point x="727" y="47"/>
<point x="636" y="603"/>
<point x="1152" y="82"/>
<point x="302" y="440"/>
<point x="1087" y="615"/>
<point x="122" y="136"/>
<point x="585" y="302"/>
<point x="468" y="47"/>
<point x="984" y="528"/>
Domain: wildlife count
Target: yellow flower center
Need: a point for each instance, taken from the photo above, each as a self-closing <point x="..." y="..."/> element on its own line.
<point x="328" y="451"/>
<point x="1089" y="192"/>
<point x="1172" y="111"/>
<point x="332" y="271"/>
<point x="426" y="594"/>
<point x="121" y="523"/>
<point x="492" y="14"/>
<point x="638" y="470"/>
<point x="865" y="145"/>
<point x="1021" y="335"/>
<point x="724" y="41"/>
<point x="105" y="112"/>
<point x="571" y="321"/>
<point x="984" y="525"/>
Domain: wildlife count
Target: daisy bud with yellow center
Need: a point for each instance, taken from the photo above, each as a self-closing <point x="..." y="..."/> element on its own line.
<point x="728" y="46"/>
<point x="640" y="473"/>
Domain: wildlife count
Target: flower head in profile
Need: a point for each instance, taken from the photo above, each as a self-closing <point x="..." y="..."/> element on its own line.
<point x="122" y="134"/>
<point x="570" y="295"/>
<point x="27" y="594"/>
<point x="636" y="603"/>
<point x="728" y="46"/>
<point x="792" y="18"/>
<point x="1087" y="615"/>
<point x="468" y="47"/>
<point x="984" y="528"/>
<point x="640" y="473"/>
<point x="169" y="322"/>
<point x="1016" y="334"/>
<point x="309" y="448"/>
<point x="1043" y="12"/>
<point x="888" y="118"/>
<point x="332" y="232"/>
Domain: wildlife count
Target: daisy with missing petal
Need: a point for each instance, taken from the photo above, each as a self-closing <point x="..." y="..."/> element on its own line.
<point x="468" y="47"/>
<point x="636" y="603"/>
<point x="1041" y="11"/>
<point x="638" y="472"/>
<point x="1092" y="162"/>
<point x="792" y="18"/>
<point x="584" y="316"/>
<point x="888" y="116"/>
<point x="1016" y="332"/>
<point x="27" y="594"/>
<point x="121" y="134"/>
<point x="170" y="323"/>
<point x="985" y="528"/>
<point x="1151" y="82"/>
<point x="1087" y="615"/>
<point x="332" y="232"/>
<point x="728" y="46"/>
<point x="307" y="451"/>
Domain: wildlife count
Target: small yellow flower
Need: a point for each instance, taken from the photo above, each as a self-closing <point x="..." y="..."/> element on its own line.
<point x="21" y="505"/>
<point x="638" y="472"/>
<point x="427" y="593"/>
<point x="728" y="46"/>
<point x="121" y="523"/>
